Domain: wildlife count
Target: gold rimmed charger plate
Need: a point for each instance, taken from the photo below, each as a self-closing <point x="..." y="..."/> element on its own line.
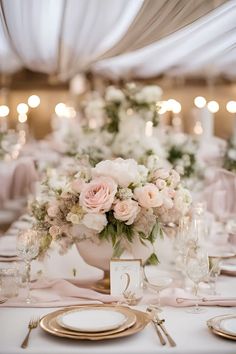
<point x="214" y="325"/>
<point x="129" y="314"/>
<point x="48" y="323"/>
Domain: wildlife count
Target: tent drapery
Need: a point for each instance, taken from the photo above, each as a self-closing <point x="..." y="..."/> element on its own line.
<point x="122" y="38"/>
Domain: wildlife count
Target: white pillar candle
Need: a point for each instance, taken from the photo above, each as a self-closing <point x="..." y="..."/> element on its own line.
<point x="207" y="123"/>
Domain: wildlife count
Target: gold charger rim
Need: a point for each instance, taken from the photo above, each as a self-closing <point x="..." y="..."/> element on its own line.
<point x="213" y="325"/>
<point x="130" y="321"/>
<point x="142" y="319"/>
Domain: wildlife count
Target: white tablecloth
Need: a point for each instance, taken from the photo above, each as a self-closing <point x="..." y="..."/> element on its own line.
<point x="189" y="331"/>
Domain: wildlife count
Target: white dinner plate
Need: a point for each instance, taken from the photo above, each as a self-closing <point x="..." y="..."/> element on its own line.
<point x="91" y="320"/>
<point x="229" y="325"/>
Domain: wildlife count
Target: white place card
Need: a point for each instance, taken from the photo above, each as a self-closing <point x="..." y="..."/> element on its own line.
<point x="125" y="276"/>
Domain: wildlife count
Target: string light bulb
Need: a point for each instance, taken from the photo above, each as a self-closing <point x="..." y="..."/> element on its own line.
<point x="22" y="108"/>
<point x="34" y="101"/>
<point x="4" y="110"/>
<point x="200" y="101"/>
<point x="213" y="106"/>
<point x="231" y="106"/>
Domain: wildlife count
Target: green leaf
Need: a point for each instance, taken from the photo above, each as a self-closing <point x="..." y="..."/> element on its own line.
<point x="117" y="250"/>
<point x="152" y="260"/>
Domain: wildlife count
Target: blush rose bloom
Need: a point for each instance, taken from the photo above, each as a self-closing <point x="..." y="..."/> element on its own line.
<point x="148" y="196"/>
<point x="126" y="210"/>
<point x="98" y="195"/>
<point x="95" y="222"/>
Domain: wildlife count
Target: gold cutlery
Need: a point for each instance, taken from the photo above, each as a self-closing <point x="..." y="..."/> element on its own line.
<point x="180" y="300"/>
<point x="33" y="323"/>
<point x="155" y="324"/>
<point x="169" y="338"/>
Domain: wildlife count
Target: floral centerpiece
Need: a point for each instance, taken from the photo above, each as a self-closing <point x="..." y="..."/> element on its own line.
<point x="117" y="201"/>
<point x="131" y="99"/>
<point x="182" y="154"/>
<point x="229" y="162"/>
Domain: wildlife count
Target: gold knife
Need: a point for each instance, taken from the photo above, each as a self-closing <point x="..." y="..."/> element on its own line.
<point x="170" y="339"/>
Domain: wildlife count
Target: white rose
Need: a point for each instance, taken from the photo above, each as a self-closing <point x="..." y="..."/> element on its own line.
<point x="114" y="94"/>
<point x="126" y="210"/>
<point x="124" y="172"/>
<point x="232" y="154"/>
<point x="95" y="222"/>
<point x="149" y="94"/>
<point x="182" y="200"/>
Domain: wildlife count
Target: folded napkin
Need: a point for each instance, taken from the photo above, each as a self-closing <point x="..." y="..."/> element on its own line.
<point x="178" y="297"/>
<point x="59" y="293"/>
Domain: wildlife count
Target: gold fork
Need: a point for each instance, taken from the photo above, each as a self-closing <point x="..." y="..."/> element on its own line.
<point x="155" y="323"/>
<point x="33" y="323"/>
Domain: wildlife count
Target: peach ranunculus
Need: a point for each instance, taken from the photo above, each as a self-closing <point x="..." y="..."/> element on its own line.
<point x="126" y="210"/>
<point x="98" y="195"/>
<point x="95" y="222"/>
<point x="148" y="196"/>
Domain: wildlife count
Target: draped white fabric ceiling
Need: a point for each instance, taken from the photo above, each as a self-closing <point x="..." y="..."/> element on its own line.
<point x="119" y="39"/>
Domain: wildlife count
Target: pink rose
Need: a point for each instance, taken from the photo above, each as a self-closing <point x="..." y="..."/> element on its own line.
<point x="126" y="210"/>
<point x="52" y="211"/>
<point x="98" y="195"/>
<point x="148" y="196"/>
<point x="77" y="185"/>
<point x="54" y="231"/>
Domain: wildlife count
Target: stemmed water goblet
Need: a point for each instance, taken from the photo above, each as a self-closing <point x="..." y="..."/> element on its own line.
<point x="197" y="269"/>
<point x="28" y="248"/>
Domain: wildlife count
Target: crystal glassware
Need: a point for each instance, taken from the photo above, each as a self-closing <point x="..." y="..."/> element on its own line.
<point x="197" y="269"/>
<point x="28" y="249"/>
<point x="157" y="281"/>
<point x="214" y="271"/>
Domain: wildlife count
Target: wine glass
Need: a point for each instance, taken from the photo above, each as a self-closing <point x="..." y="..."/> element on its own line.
<point x="157" y="281"/>
<point x="28" y="248"/>
<point x="197" y="269"/>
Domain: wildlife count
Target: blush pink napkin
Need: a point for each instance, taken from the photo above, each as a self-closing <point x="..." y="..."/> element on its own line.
<point x="178" y="297"/>
<point x="59" y="293"/>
